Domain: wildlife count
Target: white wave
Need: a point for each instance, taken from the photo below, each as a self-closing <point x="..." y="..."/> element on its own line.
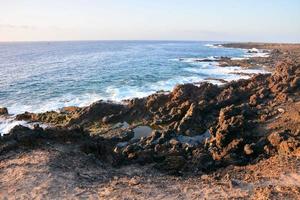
<point x="215" y="72"/>
<point x="253" y="50"/>
<point x="168" y="85"/>
<point x="260" y="54"/>
<point x="193" y="60"/>
<point x="55" y="103"/>
<point x="214" y="46"/>
<point x="239" y="58"/>
<point x="212" y="81"/>
<point x="219" y="71"/>
<point x="225" y="73"/>
<point x="6" y="124"/>
<point x="209" y="45"/>
<point x="254" y="71"/>
<point x="251" y="53"/>
<point x="128" y="92"/>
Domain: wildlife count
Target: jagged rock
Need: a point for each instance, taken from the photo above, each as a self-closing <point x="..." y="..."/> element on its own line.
<point x="284" y="142"/>
<point x="27" y="117"/>
<point x="70" y="109"/>
<point x="289" y="146"/>
<point x="98" y="111"/>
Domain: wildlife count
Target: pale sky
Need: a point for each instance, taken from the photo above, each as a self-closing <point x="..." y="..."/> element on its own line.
<point x="222" y="20"/>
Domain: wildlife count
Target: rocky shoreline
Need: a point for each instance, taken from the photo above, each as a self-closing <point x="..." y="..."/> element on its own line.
<point x="190" y="131"/>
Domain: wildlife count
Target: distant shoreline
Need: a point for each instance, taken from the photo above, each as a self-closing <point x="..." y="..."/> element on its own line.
<point x="257" y="44"/>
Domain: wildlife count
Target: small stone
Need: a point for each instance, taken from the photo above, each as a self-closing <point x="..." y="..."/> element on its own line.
<point x="248" y="149"/>
<point x="133" y="182"/>
<point x="132" y="156"/>
<point x="267" y="149"/>
<point x="174" y="142"/>
<point x="263" y="118"/>
<point x="117" y="150"/>
<point x="275" y="138"/>
<point x="205" y="177"/>
<point x="281" y="110"/>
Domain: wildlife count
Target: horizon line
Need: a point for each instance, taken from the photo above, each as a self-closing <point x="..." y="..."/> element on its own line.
<point x="143" y="40"/>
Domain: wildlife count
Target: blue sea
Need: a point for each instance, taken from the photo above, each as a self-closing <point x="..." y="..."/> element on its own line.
<point x="43" y="76"/>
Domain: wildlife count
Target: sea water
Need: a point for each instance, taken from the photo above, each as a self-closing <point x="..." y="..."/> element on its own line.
<point x="43" y="76"/>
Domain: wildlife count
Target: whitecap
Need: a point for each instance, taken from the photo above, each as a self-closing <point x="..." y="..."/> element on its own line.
<point x="54" y="104"/>
<point x="225" y="73"/>
<point x="260" y="54"/>
<point x="118" y="94"/>
<point x="239" y="58"/>
<point x="6" y="124"/>
<point x="195" y="60"/>
<point x="214" y="46"/>
<point x="252" y="53"/>
<point x="209" y="45"/>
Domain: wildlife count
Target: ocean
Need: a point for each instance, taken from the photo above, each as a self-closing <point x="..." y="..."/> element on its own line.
<point x="43" y="76"/>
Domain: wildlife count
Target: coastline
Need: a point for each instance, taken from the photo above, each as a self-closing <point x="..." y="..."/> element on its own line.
<point x="239" y="69"/>
<point x="187" y="72"/>
<point x="249" y="121"/>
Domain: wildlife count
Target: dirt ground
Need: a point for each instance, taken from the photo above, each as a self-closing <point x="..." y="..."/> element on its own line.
<point x="62" y="171"/>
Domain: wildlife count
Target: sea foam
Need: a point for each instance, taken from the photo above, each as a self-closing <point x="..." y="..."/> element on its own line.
<point x="6" y="124"/>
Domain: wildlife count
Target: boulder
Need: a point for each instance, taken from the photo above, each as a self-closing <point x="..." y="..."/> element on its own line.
<point x="27" y="116"/>
<point x="284" y="142"/>
<point x="289" y="146"/>
<point x="70" y="109"/>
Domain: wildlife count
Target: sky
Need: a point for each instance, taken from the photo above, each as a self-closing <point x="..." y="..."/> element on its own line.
<point x="213" y="20"/>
